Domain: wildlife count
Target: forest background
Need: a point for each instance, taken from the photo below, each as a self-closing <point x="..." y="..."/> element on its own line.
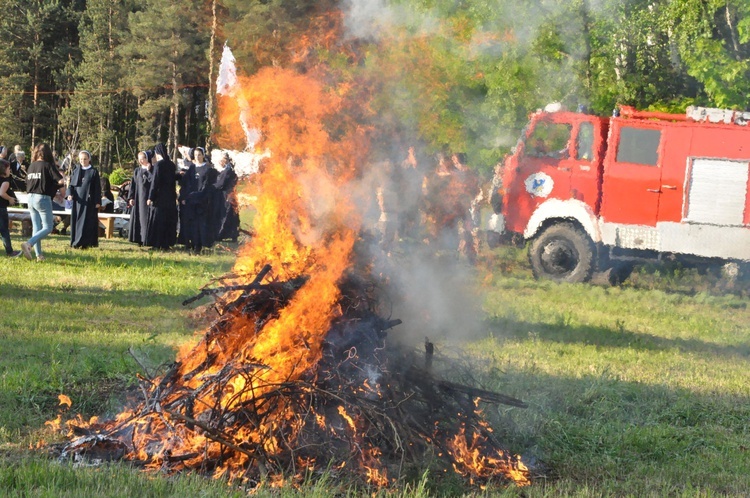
<point x="115" y="76"/>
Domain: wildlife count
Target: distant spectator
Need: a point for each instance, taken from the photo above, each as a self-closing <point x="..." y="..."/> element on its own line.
<point x="140" y="186"/>
<point x="387" y="194"/>
<point x="108" y="198"/>
<point x="7" y="198"/>
<point x="43" y="180"/>
<point x="60" y="203"/>
<point x="18" y="168"/>
<point x="440" y="215"/>
<point x="69" y="162"/>
<point x="410" y="197"/>
<point x="86" y="193"/>
<point x="467" y="200"/>
<point x="226" y="211"/>
<point x="162" y="201"/>
<point x="12" y="157"/>
<point x="197" y="202"/>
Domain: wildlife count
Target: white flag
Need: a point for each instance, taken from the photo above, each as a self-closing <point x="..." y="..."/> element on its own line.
<point x="227" y="84"/>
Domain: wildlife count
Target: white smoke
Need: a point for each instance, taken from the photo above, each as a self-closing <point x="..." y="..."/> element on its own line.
<point x="375" y="19"/>
<point x="245" y="163"/>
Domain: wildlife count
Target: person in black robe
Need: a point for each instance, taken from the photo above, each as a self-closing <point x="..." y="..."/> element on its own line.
<point x="18" y="167"/>
<point x="185" y="171"/>
<point x="140" y="186"/>
<point x="227" y="216"/>
<point x="196" y="202"/>
<point x="108" y="198"/>
<point x="85" y="192"/>
<point x="162" y="199"/>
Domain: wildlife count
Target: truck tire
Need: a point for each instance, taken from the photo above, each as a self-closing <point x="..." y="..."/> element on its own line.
<point x="563" y="253"/>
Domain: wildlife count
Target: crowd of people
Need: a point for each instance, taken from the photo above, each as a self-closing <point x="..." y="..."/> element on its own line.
<point x="418" y="201"/>
<point x="204" y="212"/>
<point x="435" y="204"/>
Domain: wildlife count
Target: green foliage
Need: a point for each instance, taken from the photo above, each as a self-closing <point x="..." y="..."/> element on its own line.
<point x="89" y="118"/>
<point x="117" y="76"/>
<point x="119" y="176"/>
<point x="713" y="40"/>
<point x="166" y="51"/>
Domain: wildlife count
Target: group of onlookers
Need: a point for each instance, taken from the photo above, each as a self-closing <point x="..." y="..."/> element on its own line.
<point x="194" y="204"/>
<point x="204" y="212"/>
<point x="436" y="204"/>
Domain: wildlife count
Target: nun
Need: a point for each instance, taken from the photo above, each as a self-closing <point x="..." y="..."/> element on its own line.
<point x="162" y="201"/>
<point x="85" y="193"/>
<point x="140" y="186"/>
<point x="197" y="203"/>
<point x="227" y="217"/>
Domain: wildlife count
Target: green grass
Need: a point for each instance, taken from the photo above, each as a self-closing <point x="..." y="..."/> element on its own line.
<point x="637" y="390"/>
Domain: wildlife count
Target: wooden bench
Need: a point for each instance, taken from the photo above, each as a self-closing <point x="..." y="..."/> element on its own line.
<point x="22" y="217"/>
<point x="106" y="219"/>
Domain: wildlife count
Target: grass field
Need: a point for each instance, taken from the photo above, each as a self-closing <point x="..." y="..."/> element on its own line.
<point x="638" y="390"/>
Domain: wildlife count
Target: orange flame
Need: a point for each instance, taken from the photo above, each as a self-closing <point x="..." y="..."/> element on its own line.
<point x="65" y="401"/>
<point x="305" y="226"/>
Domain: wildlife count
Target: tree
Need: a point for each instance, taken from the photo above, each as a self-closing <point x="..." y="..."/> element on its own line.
<point x="39" y="38"/>
<point x="91" y="118"/>
<point x="713" y="40"/>
<point x="167" y="53"/>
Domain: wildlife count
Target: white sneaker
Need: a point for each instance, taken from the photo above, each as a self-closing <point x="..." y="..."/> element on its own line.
<point x="26" y="249"/>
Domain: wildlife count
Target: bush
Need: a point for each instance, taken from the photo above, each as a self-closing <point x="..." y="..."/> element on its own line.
<point x="118" y="176"/>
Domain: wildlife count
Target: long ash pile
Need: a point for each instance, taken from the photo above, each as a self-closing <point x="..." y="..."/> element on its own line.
<point x="364" y="409"/>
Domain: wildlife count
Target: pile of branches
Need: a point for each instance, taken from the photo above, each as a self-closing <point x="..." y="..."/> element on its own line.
<point x="368" y="409"/>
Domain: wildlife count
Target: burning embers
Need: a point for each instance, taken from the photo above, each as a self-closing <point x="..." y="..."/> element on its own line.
<point x="364" y="408"/>
<point x="296" y="376"/>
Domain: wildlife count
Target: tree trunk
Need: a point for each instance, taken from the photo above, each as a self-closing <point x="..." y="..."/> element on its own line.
<point x="211" y="78"/>
<point x="35" y="102"/>
<point x="586" y="23"/>
<point x="172" y="141"/>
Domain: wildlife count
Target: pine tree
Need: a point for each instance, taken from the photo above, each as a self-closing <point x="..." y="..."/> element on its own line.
<point x="13" y="78"/>
<point x="44" y="38"/>
<point x="94" y="119"/>
<point x="167" y="53"/>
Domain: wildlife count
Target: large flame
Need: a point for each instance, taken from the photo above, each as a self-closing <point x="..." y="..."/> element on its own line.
<point x="305" y="227"/>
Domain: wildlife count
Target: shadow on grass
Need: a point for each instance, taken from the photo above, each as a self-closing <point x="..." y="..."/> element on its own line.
<point x="627" y="438"/>
<point x="96" y="375"/>
<point x="618" y="337"/>
<point x="67" y="294"/>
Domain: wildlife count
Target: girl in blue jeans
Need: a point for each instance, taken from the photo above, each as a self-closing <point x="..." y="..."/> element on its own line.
<point x="42" y="181"/>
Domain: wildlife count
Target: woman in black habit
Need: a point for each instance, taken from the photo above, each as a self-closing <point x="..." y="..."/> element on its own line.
<point x="162" y="198"/>
<point x="140" y="187"/>
<point x="227" y="216"/>
<point x="85" y="191"/>
<point x="196" y="202"/>
<point x="108" y="198"/>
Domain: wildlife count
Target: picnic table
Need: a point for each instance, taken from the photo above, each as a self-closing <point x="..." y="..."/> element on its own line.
<point x="22" y="215"/>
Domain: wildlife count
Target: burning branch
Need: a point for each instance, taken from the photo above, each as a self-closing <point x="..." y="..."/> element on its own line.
<point x="363" y="406"/>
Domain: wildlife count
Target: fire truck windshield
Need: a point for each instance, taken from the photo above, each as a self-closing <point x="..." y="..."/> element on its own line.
<point x="549" y="140"/>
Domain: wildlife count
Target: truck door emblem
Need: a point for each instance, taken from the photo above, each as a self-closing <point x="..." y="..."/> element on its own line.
<point x="539" y="184"/>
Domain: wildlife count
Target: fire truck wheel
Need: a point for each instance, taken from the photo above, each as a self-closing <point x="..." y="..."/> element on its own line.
<point x="563" y="253"/>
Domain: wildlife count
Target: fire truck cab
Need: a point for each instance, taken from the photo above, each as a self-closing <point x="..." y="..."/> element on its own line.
<point x="594" y="193"/>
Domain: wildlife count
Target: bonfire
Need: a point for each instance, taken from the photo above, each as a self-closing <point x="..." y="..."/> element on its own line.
<point x="296" y="375"/>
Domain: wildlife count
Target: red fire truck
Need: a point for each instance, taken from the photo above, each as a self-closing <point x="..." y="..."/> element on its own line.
<point x="594" y="193"/>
